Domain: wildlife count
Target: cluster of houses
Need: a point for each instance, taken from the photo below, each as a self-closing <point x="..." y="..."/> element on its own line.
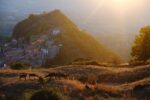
<point x="2" y="61"/>
<point x="40" y="48"/>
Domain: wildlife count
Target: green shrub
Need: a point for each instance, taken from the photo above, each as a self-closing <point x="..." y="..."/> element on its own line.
<point x="19" y="66"/>
<point x="48" y="94"/>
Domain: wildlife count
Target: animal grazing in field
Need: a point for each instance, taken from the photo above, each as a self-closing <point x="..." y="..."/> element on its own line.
<point x="23" y="75"/>
<point x="58" y="75"/>
<point x="87" y="87"/>
<point x="50" y="75"/>
<point x="33" y="75"/>
<point x="41" y="80"/>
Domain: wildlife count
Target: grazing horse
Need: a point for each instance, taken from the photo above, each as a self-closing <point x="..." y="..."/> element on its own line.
<point x="33" y="75"/>
<point x="23" y="75"/>
<point x="87" y="87"/>
<point x="50" y="75"/>
<point x="41" y="80"/>
<point x="58" y="75"/>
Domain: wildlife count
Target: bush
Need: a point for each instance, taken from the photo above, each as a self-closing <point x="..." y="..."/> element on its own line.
<point x="136" y="62"/>
<point x="86" y="63"/>
<point x="141" y="47"/>
<point x="48" y="94"/>
<point x="19" y="66"/>
<point x="93" y="63"/>
<point x="82" y="59"/>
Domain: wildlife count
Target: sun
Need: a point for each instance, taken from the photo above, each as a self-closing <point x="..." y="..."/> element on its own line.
<point x="119" y="8"/>
<point x="122" y="2"/>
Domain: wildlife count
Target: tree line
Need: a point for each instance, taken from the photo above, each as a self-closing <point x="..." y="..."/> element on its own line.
<point x="141" y="46"/>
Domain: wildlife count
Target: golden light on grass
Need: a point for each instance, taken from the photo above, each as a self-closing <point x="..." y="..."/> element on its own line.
<point x="74" y="84"/>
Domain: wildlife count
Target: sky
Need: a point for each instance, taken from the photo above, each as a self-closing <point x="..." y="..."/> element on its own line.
<point x="95" y="16"/>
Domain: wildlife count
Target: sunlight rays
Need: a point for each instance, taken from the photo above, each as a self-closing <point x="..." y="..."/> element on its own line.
<point x="99" y="4"/>
<point x="118" y="9"/>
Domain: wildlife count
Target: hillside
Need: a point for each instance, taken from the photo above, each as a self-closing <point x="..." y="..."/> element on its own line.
<point x="82" y="83"/>
<point x="57" y="31"/>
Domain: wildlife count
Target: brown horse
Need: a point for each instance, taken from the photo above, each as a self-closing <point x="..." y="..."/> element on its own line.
<point x="33" y="75"/>
<point x="58" y="75"/>
<point x="50" y="75"/>
<point x="23" y="75"/>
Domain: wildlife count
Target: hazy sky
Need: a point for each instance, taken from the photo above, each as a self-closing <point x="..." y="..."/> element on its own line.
<point x="96" y="16"/>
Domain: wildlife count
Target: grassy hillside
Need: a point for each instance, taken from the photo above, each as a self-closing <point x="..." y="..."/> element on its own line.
<point x="111" y="83"/>
<point x="36" y="24"/>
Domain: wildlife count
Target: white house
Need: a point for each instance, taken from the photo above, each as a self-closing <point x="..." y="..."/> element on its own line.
<point x="56" y="31"/>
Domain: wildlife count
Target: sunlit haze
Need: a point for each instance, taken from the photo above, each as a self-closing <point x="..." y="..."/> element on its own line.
<point x="96" y="16"/>
<point x="74" y="49"/>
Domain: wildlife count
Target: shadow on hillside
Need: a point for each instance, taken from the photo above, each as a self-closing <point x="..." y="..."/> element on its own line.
<point x="142" y="92"/>
<point x="15" y="91"/>
<point x="8" y="75"/>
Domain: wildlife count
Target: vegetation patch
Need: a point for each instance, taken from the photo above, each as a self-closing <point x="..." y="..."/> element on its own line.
<point x="48" y="94"/>
<point x="19" y="66"/>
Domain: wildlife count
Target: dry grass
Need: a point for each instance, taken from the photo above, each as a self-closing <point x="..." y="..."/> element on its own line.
<point x="131" y="86"/>
<point x="108" y="88"/>
<point x="112" y="82"/>
<point x="74" y="84"/>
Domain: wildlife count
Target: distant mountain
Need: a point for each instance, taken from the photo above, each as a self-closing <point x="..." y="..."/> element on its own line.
<point x="61" y="39"/>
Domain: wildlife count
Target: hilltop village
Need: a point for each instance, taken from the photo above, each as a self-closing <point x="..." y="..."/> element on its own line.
<point x="52" y="39"/>
<point x="39" y="48"/>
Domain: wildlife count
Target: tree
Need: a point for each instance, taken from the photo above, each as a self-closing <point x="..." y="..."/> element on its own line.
<point x="141" y="47"/>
